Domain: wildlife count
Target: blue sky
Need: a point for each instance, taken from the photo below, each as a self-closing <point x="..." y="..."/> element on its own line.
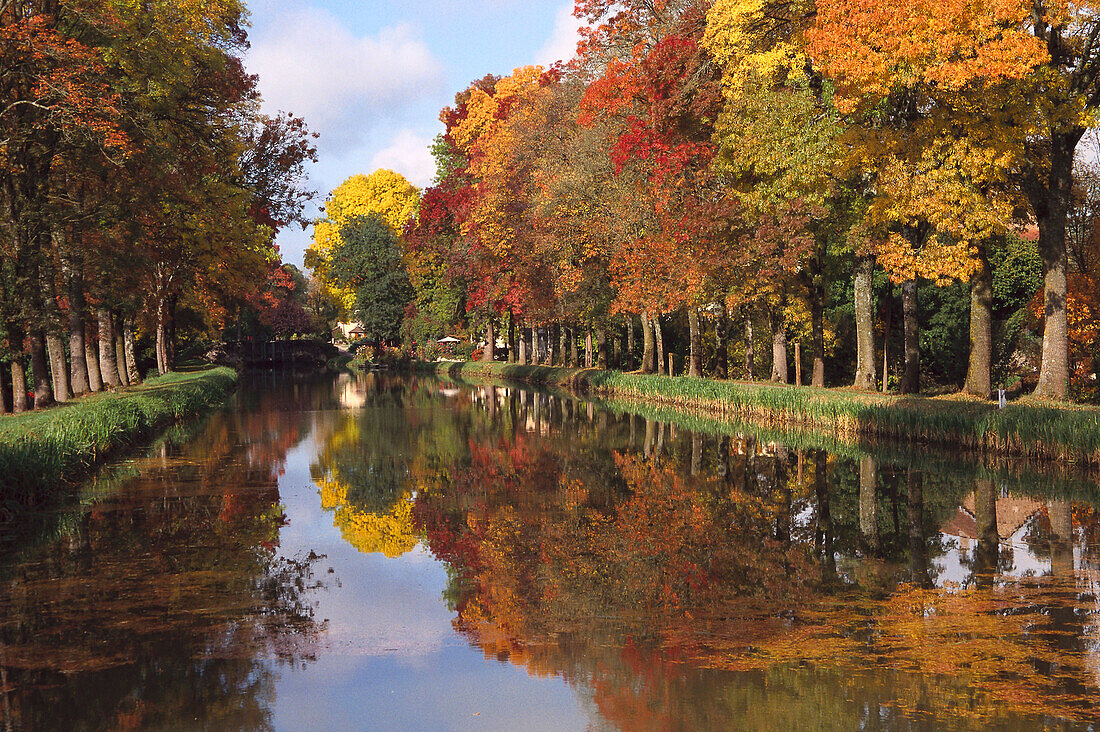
<point x="371" y="77"/>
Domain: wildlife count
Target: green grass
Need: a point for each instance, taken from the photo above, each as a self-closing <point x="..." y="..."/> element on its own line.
<point x="1066" y="434"/>
<point x="40" y="450"/>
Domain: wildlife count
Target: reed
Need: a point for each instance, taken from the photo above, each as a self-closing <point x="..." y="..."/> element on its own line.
<point x="40" y="450"/>
<point x="1035" y="431"/>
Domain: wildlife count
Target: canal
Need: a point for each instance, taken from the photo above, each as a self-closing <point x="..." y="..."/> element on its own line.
<point x="384" y="552"/>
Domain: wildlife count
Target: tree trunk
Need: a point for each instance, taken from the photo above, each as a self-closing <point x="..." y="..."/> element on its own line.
<point x="573" y="348"/>
<point x="20" y="403"/>
<point x="817" y="327"/>
<point x="721" y="344"/>
<point x="55" y="350"/>
<point x="918" y="548"/>
<point x="163" y="365"/>
<point x="51" y="339"/>
<point x="659" y="337"/>
<point x="563" y="345"/>
<point x="601" y="346"/>
<point x="695" y="357"/>
<point x="1051" y="203"/>
<point x="16" y="336"/>
<point x="80" y="380"/>
<point x="750" y="350"/>
<point x="120" y="351"/>
<point x="170" y="333"/>
<point x="798" y="363"/>
<point x="589" y="356"/>
<point x="548" y="343"/>
<point x="1054" y="372"/>
<point x="5" y="394"/>
<point x="521" y="346"/>
<point x="629" y="363"/>
<point x="696" y="453"/>
<point x="43" y="393"/>
<point x="649" y="363"/>
<point x="910" y="378"/>
<point x="868" y="503"/>
<point x="615" y="347"/>
<point x="978" y="378"/>
<point x="779" y="348"/>
<point x="488" y="353"/>
<point x="532" y="353"/>
<point x="824" y="534"/>
<point x="553" y="338"/>
<point x="130" y="350"/>
<point x="987" y="553"/>
<point x="511" y="338"/>
<point x="865" y="324"/>
<point x="1060" y="514"/>
<point x="91" y="357"/>
<point x="887" y="324"/>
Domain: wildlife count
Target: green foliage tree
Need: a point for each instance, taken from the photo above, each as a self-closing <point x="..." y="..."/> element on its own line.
<point x="367" y="260"/>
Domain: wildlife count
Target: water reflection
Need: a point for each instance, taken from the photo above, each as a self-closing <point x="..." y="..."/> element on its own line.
<point x="161" y="601"/>
<point x="686" y="580"/>
<point x="668" y="577"/>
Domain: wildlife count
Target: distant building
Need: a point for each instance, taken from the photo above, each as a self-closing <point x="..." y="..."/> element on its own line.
<point x="348" y="332"/>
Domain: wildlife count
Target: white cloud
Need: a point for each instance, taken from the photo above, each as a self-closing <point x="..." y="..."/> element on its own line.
<point x="562" y="44"/>
<point x="409" y="155"/>
<point x="310" y="64"/>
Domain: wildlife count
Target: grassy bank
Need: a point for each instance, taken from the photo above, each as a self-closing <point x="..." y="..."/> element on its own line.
<point x="38" y="450"/>
<point x="1067" y="434"/>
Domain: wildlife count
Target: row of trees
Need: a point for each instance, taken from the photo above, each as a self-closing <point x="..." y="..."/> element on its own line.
<point x="787" y="164"/>
<point x="138" y="182"/>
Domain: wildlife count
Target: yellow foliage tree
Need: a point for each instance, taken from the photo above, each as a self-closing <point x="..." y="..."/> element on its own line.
<point x="391" y="534"/>
<point x="383" y="192"/>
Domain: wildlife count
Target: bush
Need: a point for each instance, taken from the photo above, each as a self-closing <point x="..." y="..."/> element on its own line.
<point x="431" y="351"/>
<point x="369" y="357"/>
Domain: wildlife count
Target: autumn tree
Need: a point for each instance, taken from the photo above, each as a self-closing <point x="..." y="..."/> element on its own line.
<point x="366" y="260"/>
<point x="506" y="271"/>
<point x="1064" y="93"/>
<point x="779" y="148"/>
<point x="914" y="81"/>
<point x="55" y="97"/>
<point x="432" y="253"/>
<point x="383" y="192"/>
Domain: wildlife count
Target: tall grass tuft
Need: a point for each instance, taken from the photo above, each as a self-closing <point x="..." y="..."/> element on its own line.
<point x="1070" y="434"/>
<point x="40" y="450"/>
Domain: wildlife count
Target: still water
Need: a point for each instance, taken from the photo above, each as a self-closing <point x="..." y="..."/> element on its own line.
<point x="393" y="553"/>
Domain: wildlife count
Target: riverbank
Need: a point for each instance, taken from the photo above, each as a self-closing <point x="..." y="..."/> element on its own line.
<point x="39" y="450"/>
<point x="1065" y="434"/>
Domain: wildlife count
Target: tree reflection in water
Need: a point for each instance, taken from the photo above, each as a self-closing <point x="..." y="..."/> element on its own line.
<point x="686" y="580"/>
<point x="164" y="603"/>
<point x="677" y="579"/>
